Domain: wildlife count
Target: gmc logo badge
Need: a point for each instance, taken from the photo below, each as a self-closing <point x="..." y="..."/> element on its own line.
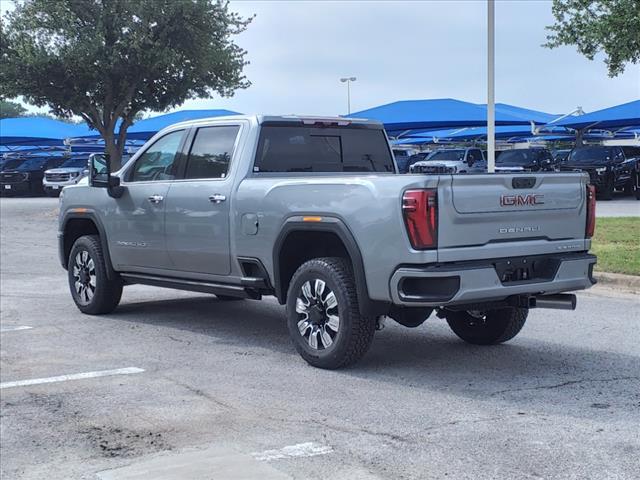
<point x="518" y="200"/>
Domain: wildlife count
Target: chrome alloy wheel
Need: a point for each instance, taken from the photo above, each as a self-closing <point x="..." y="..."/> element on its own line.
<point x="84" y="275"/>
<point x="317" y="309"/>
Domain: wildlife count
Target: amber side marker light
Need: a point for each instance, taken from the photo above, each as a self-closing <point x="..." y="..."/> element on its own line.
<point x="311" y="219"/>
<point x="591" y="211"/>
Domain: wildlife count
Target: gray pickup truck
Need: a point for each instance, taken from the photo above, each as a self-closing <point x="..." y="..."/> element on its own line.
<point x="313" y="212"/>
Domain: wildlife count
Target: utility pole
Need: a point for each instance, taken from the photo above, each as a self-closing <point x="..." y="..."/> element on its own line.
<point x="348" y="81"/>
<point x="491" y="100"/>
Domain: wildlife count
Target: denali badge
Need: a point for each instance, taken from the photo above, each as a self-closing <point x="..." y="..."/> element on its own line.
<point x="530" y="229"/>
<point x="517" y="200"/>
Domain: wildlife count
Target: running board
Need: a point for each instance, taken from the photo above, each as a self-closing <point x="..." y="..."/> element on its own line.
<point x="191" y="285"/>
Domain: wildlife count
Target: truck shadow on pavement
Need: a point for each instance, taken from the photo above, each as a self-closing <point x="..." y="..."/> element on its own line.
<point x="525" y="372"/>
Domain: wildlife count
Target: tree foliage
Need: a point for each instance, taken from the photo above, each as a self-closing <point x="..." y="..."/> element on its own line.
<point x="11" y="109"/>
<point x="108" y="60"/>
<point x="593" y="26"/>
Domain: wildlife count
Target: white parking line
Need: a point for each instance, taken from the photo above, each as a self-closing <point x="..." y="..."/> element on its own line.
<point x="308" y="449"/>
<point x="75" y="376"/>
<point x="15" y="329"/>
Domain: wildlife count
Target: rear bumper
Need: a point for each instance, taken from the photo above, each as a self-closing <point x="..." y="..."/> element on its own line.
<point x="471" y="282"/>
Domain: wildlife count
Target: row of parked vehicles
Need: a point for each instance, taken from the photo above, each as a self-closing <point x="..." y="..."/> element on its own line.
<point x="41" y="174"/>
<point x="610" y="168"/>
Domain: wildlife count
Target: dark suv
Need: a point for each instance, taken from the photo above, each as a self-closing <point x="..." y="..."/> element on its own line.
<point x="24" y="176"/>
<point x="609" y="167"/>
<point x="525" y="159"/>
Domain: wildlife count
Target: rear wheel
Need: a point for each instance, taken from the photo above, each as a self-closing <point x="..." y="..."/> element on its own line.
<point x="487" y="328"/>
<point x="92" y="290"/>
<point x="323" y="317"/>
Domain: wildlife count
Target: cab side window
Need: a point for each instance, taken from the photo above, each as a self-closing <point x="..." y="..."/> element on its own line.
<point x="211" y="152"/>
<point x="159" y="161"/>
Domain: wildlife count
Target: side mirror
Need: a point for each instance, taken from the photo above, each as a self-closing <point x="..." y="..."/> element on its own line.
<point x="100" y="175"/>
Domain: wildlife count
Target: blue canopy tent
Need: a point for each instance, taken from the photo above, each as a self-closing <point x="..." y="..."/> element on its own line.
<point x="147" y="128"/>
<point x="504" y="132"/>
<point x="401" y="116"/>
<point x="143" y="130"/>
<point x="624" y="115"/>
<point x="39" y="131"/>
<point x="525" y="113"/>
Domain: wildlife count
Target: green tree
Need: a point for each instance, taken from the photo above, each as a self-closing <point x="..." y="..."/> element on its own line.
<point x="11" y="109"/>
<point x="593" y="26"/>
<point x="107" y="60"/>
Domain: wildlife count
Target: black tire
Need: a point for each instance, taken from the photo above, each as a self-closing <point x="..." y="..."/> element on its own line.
<point x="636" y="185"/>
<point x="228" y="298"/>
<point x="350" y="336"/>
<point x="52" y="193"/>
<point x="487" y="328"/>
<point x="86" y="257"/>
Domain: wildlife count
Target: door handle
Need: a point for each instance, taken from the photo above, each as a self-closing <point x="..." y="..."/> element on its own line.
<point x="217" y="198"/>
<point x="156" y="198"/>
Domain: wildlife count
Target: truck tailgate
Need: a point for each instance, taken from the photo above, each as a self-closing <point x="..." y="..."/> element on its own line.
<point x="476" y="210"/>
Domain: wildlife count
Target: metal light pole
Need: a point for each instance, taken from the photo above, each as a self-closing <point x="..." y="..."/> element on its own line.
<point x="491" y="100"/>
<point x="348" y="81"/>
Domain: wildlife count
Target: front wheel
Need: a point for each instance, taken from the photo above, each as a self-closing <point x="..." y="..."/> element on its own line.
<point x="487" y="328"/>
<point x="324" y="321"/>
<point x="92" y="290"/>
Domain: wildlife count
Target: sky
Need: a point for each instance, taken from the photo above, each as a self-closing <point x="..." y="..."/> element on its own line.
<point x="403" y="50"/>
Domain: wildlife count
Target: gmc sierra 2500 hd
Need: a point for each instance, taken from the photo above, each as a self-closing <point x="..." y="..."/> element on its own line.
<point x="313" y="211"/>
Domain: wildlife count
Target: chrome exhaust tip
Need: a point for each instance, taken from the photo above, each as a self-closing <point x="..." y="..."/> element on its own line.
<point x="560" y="301"/>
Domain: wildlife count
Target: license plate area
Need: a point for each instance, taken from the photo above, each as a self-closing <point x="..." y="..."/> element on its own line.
<point x="519" y="270"/>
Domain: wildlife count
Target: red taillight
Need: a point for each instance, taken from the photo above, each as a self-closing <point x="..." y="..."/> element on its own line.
<point x="420" y="210"/>
<point x="591" y="211"/>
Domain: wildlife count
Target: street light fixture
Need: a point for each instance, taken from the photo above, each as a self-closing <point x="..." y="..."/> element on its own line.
<point x="348" y="81"/>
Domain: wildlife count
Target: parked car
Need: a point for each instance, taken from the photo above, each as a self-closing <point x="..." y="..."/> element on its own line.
<point x="459" y="160"/>
<point x="26" y="177"/>
<point x="416" y="157"/>
<point x="525" y="160"/>
<point x="610" y="168"/>
<point x="402" y="159"/>
<point x="313" y="211"/>
<point x="70" y="172"/>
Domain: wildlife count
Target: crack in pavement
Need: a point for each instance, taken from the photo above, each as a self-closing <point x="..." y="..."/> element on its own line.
<point x="564" y="384"/>
<point x="200" y="393"/>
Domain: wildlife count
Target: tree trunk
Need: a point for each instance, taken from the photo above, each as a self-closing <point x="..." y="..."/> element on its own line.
<point x="114" y="152"/>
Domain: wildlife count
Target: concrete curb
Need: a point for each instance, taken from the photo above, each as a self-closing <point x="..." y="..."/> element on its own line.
<point x="629" y="283"/>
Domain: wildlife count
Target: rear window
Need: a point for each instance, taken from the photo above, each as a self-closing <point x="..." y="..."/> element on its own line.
<point x="313" y="149"/>
<point x="211" y="152"/>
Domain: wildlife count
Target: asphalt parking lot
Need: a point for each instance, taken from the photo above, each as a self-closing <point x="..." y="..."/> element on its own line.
<point x="180" y="385"/>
